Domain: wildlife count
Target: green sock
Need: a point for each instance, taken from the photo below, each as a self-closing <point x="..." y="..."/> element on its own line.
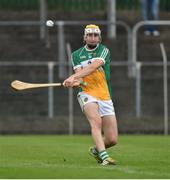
<point x="103" y="155"/>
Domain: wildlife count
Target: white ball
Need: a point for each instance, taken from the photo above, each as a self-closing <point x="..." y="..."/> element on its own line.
<point x="50" y="23"/>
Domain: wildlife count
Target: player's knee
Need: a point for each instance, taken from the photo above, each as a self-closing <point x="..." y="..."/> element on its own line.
<point x="112" y="141"/>
<point x="96" y="126"/>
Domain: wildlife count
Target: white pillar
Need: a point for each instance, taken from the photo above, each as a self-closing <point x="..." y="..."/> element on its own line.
<point x="165" y="87"/>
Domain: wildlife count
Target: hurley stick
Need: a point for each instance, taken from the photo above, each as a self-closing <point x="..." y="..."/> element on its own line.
<point x="19" y="85"/>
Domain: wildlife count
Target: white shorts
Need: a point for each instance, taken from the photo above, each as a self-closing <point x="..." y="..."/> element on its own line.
<point x="105" y="106"/>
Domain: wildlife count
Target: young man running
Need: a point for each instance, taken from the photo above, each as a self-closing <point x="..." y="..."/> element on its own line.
<point x="91" y="64"/>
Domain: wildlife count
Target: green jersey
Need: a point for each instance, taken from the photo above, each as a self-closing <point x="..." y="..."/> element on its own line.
<point x="98" y="82"/>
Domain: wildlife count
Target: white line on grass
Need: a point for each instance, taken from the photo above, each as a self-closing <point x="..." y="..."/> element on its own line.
<point x="127" y="170"/>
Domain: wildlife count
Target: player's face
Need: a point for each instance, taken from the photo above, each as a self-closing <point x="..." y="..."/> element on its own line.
<point x="92" y="39"/>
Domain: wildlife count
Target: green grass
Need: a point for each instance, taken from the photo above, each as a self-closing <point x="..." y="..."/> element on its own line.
<point x="67" y="157"/>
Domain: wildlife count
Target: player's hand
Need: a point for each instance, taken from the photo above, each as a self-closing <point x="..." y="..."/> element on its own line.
<point x="70" y="82"/>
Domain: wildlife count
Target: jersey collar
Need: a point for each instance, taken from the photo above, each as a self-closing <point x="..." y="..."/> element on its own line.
<point x="91" y="49"/>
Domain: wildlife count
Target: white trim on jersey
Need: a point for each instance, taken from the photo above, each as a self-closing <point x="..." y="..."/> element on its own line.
<point x="99" y="58"/>
<point x="76" y="67"/>
<point x="81" y="51"/>
<point x="72" y="60"/>
<point x="89" y="61"/>
<point x="104" y="53"/>
<point x="85" y="63"/>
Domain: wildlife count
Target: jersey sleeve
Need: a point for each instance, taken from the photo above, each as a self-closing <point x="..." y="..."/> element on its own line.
<point x="103" y="54"/>
<point x="75" y="61"/>
<point x="107" y="57"/>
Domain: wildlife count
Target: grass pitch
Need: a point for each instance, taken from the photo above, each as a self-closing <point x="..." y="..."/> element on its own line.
<point x="67" y="157"/>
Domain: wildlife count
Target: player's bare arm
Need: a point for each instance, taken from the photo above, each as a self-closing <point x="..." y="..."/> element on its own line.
<point x="70" y="81"/>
